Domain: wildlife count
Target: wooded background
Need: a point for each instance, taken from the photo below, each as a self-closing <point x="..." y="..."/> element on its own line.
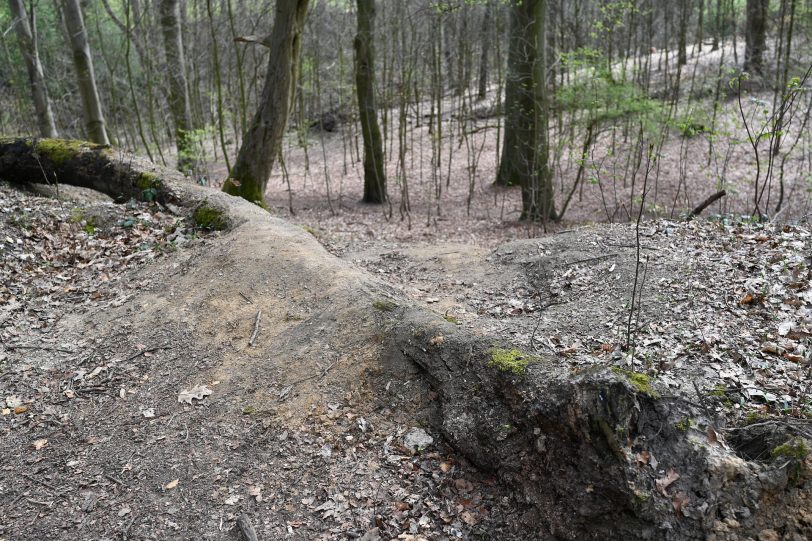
<point x="573" y="98"/>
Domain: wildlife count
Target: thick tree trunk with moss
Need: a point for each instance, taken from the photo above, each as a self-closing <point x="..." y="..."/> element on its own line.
<point x="263" y="140"/>
<point x="525" y="152"/>
<point x="179" y="103"/>
<point x="756" y="35"/>
<point x="374" y="176"/>
<point x="91" y="105"/>
<point x="28" y="49"/>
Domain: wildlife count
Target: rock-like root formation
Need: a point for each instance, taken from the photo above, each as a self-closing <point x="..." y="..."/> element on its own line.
<point x="598" y="454"/>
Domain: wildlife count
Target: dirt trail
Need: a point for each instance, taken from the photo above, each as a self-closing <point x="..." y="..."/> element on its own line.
<point x="307" y="432"/>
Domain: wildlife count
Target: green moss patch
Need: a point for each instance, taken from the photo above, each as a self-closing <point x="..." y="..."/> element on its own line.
<point x="209" y="218"/>
<point x="794" y="448"/>
<point x="61" y="150"/>
<point x="384" y="305"/>
<point x="511" y="360"/>
<point x="639" y="381"/>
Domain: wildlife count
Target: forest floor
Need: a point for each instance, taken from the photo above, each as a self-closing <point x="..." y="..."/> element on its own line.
<point x="127" y="414"/>
<point x="132" y="408"/>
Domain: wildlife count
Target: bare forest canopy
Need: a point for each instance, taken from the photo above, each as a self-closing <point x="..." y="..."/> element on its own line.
<point x="598" y="110"/>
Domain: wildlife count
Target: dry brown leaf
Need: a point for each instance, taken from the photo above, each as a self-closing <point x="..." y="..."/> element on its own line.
<point x="643" y="458"/>
<point x="437" y="340"/>
<point x="40" y="443"/>
<point x="171" y="484"/>
<point x="666" y="481"/>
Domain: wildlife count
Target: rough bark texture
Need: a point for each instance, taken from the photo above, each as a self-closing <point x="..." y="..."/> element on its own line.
<point x="577" y="447"/>
<point x="374" y="176"/>
<point x="94" y="118"/>
<point x="39" y="90"/>
<point x="485" y="36"/>
<point x="525" y="151"/>
<point x="684" y="15"/>
<point x="178" y="89"/>
<point x="263" y="140"/>
<point x="756" y="35"/>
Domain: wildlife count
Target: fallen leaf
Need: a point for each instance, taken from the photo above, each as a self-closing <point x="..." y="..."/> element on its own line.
<point x="468" y="517"/>
<point x="437" y="340"/>
<point x="124" y="511"/>
<point x="13" y="401"/>
<point x="198" y="392"/>
<point x="172" y="484"/>
<point x="20" y="409"/>
<point x="679" y="501"/>
<point x="256" y="492"/>
<point x="233" y="499"/>
<point x="149" y="413"/>
<point x="70" y="393"/>
<point x="6" y="411"/>
<point x="642" y="458"/>
<point x="664" y="482"/>
<point x="40" y="443"/>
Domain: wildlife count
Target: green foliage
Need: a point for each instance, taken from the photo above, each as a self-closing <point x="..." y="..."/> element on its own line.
<point x="209" y="218"/>
<point x="596" y="91"/>
<point x="794" y="448"/>
<point x="511" y="360"/>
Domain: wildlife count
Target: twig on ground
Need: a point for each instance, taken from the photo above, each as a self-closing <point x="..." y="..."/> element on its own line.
<point x="247" y="528"/>
<point x="589" y="259"/>
<point x="43" y="348"/>
<point x="148" y="350"/>
<point x="288" y="388"/>
<point x="115" y="480"/>
<point x="706" y="203"/>
<point x="253" y="339"/>
<point x="40" y="481"/>
<point x="247" y="299"/>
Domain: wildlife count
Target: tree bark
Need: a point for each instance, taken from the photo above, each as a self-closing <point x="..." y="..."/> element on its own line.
<point x="36" y="77"/>
<point x="756" y="35"/>
<point x="94" y="118"/>
<point x="374" y="176"/>
<point x="263" y="140"/>
<point x="685" y="14"/>
<point x="485" y="39"/>
<point x="179" y="103"/>
<point x="525" y="153"/>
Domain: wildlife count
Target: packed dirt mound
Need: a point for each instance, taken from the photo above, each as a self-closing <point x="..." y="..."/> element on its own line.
<point x="254" y="373"/>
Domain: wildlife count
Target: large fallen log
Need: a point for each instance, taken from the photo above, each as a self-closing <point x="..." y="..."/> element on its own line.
<point x="597" y="454"/>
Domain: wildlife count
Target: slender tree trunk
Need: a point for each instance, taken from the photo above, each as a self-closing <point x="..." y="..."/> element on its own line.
<point x="525" y="154"/>
<point x="717" y="27"/>
<point x="262" y="142"/>
<point x="485" y="40"/>
<point x="30" y="52"/>
<point x="374" y="177"/>
<point x="179" y="104"/>
<point x="685" y="14"/>
<point x="756" y="35"/>
<point x="94" y="118"/>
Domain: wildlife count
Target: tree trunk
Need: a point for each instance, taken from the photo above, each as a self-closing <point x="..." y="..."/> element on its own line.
<point x="374" y="176"/>
<point x="29" y="51"/>
<point x="755" y="35"/>
<point x="525" y="153"/>
<point x="263" y="140"/>
<point x="179" y="103"/>
<point x="485" y="39"/>
<point x="94" y="118"/>
<point x="685" y="14"/>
